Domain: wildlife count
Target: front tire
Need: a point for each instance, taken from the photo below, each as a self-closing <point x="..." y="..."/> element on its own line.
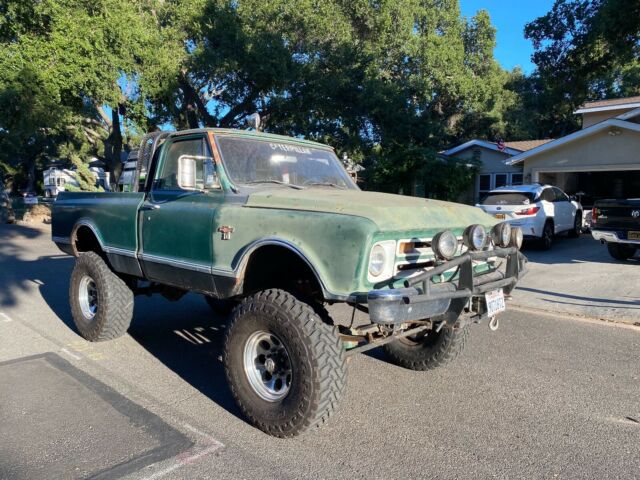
<point x="429" y="350"/>
<point x="285" y="367"/>
<point x="621" y="251"/>
<point x="101" y="302"/>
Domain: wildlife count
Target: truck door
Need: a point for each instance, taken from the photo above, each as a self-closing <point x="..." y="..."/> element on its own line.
<point x="177" y="217"/>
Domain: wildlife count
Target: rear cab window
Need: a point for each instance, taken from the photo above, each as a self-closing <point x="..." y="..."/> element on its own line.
<point x="508" y="198"/>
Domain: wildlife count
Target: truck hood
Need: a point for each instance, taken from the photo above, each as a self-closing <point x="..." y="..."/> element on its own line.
<point x="389" y="212"/>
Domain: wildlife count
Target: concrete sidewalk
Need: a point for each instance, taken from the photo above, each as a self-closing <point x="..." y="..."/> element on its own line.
<point x="578" y="277"/>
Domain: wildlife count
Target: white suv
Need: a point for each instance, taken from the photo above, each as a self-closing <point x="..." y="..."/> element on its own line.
<point x="541" y="211"/>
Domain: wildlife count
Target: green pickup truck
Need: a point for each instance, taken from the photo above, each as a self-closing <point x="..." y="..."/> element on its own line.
<point x="271" y="230"/>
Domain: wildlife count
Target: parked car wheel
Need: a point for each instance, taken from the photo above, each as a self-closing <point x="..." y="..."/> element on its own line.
<point x="577" y="226"/>
<point x="546" y="241"/>
<point x="285" y="367"/>
<point x="219" y="306"/>
<point x="428" y="350"/>
<point x="101" y="302"/>
<point x="621" y="251"/>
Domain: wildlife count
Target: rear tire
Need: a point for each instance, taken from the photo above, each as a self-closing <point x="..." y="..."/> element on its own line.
<point x="546" y="241"/>
<point x="430" y="351"/>
<point x="101" y="302"/>
<point x="285" y="367"/>
<point x="621" y="251"/>
<point x="577" y="226"/>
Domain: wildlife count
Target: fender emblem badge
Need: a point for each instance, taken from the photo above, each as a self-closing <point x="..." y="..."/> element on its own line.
<point x="226" y="232"/>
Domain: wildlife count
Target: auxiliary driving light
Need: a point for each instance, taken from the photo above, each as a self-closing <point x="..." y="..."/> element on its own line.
<point x="444" y="245"/>
<point x="474" y="237"/>
<point x="517" y="237"/>
<point x="501" y="234"/>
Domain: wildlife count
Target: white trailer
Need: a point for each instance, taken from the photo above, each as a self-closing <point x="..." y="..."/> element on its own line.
<point x="56" y="180"/>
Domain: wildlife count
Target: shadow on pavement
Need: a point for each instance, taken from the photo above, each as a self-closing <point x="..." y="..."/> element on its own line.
<point x="583" y="298"/>
<point x="187" y="338"/>
<point x="183" y="335"/>
<point x="17" y="273"/>
<point x="570" y="250"/>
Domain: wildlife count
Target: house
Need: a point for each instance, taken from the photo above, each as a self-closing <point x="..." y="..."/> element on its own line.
<point x="495" y="170"/>
<point x="602" y="160"/>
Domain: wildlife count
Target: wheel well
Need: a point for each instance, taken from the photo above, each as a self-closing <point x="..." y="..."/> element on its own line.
<point x="273" y="266"/>
<point x="84" y="240"/>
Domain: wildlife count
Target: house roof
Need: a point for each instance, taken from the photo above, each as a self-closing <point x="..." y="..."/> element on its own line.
<point x="585" y="132"/>
<point x="611" y="104"/>
<point x="481" y="143"/>
<point x="526" y="145"/>
<point x="511" y="148"/>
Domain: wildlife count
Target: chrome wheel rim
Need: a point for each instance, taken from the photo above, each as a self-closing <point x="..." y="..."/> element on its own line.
<point x="267" y="366"/>
<point x="88" y="297"/>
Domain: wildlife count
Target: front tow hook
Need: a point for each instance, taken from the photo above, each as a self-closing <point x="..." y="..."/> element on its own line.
<point x="494" y="323"/>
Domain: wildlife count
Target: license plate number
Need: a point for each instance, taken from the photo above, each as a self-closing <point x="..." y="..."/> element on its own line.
<point x="500" y="216"/>
<point x="633" y="235"/>
<point x="495" y="302"/>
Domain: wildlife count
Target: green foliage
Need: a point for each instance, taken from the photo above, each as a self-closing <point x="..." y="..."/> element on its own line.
<point x="584" y="50"/>
<point x="86" y="179"/>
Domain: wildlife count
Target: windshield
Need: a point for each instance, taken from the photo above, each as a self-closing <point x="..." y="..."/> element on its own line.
<point x="508" y="198"/>
<point x="252" y="161"/>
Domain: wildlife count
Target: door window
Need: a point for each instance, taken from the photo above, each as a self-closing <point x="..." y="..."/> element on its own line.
<point x="548" y="195"/>
<point x="560" y="196"/>
<point x="168" y="178"/>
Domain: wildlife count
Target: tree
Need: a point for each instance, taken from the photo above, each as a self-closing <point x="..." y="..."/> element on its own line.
<point x="585" y="50"/>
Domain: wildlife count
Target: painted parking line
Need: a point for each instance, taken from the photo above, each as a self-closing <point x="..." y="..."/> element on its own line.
<point x="208" y="445"/>
<point x="5" y="318"/>
<point x="72" y="355"/>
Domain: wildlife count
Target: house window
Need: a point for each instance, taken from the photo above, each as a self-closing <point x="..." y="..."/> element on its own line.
<point x="516" y="179"/>
<point x="484" y="185"/>
<point x="500" y="180"/>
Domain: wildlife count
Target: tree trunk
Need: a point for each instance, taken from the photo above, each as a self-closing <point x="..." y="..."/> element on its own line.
<point x="113" y="147"/>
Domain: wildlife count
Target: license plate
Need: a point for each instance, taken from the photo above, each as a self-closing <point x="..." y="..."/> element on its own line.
<point x="495" y="302"/>
<point x="500" y="216"/>
<point x="633" y="235"/>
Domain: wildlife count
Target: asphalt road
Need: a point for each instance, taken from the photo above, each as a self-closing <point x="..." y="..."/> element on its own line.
<point x="543" y="397"/>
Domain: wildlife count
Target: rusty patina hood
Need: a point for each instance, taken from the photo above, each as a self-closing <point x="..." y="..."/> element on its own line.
<point x="389" y="212"/>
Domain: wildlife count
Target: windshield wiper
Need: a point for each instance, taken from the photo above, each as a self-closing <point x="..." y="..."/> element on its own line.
<point x="278" y="182"/>
<point x="325" y="184"/>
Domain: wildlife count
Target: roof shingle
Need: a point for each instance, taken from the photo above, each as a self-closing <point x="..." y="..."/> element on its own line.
<point x="610" y="102"/>
<point x="526" y="145"/>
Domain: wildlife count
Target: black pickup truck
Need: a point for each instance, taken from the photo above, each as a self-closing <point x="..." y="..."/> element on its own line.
<point x="617" y="223"/>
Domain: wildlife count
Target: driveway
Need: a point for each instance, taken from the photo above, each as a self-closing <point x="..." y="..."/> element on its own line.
<point x="578" y="277"/>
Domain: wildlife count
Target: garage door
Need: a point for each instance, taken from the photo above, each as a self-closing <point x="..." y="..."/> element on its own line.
<point x="595" y="185"/>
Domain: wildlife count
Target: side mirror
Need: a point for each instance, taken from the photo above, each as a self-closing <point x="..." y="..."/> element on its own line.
<point x="573" y="198"/>
<point x="211" y="180"/>
<point x="187" y="173"/>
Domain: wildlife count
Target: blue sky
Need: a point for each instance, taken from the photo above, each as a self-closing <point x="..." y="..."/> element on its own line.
<point x="509" y="17"/>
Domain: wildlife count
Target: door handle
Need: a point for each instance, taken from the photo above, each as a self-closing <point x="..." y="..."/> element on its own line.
<point x="150" y="206"/>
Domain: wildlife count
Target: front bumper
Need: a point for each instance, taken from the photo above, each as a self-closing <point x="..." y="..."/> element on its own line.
<point x="421" y="298"/>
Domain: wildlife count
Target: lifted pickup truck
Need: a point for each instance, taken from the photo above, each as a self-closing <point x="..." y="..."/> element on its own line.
<point x="271" y="229"/>
<point x="617" y="223"/>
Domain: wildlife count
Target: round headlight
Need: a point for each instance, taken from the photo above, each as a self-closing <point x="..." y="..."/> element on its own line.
<point x="474" y="237"/>
<point x="377" y="260"/>
<point x="502" y="234"/>
<point x="517" y="237"/>
<point x="444" y="245"/>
